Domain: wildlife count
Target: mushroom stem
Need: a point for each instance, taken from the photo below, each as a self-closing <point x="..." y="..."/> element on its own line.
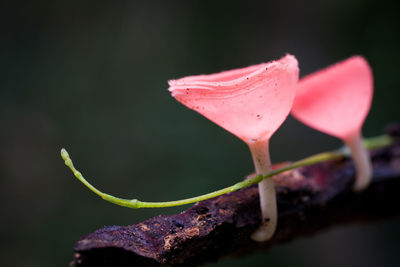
<point x="262" y="163"/>
<point x="361" y="160"/>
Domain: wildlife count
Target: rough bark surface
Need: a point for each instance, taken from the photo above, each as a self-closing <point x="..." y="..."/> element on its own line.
<point x="309" y="199"/>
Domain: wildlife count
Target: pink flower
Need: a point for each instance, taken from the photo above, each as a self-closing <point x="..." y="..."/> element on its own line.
<point x="336" y="101"/>
<point x="251" y="103"/>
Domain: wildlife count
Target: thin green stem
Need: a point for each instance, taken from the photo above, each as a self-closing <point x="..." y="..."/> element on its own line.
<point x="370" y="143"/>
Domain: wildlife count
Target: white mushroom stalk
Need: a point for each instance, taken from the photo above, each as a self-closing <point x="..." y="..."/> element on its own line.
<point x="269" y="212"/>
<point x="361" y="161"/>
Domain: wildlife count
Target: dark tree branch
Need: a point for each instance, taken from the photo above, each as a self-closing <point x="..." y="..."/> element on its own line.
<point x="309" y="199"/>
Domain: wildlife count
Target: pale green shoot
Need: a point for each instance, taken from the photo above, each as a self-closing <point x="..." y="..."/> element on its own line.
<point x="370" y="143"/>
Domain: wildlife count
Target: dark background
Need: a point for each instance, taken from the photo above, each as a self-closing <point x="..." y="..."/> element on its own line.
<point x="92" y="77"/>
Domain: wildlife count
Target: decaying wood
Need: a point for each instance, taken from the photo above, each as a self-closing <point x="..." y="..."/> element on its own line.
<point x="309" y="199"/>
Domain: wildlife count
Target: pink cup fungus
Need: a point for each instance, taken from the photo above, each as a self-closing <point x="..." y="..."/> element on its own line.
<point x="336" y="101"/>
<point x="251" y="103"/>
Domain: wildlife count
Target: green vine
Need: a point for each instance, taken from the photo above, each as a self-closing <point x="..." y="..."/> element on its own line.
<point x="370" y="143"/>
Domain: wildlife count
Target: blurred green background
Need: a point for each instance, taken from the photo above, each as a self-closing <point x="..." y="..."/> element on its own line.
<point x="92" y="77"/>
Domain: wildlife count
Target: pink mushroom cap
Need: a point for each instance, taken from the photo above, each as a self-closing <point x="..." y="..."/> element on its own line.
<point x="336" y="100"/>
<point x="250" y="102"/>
